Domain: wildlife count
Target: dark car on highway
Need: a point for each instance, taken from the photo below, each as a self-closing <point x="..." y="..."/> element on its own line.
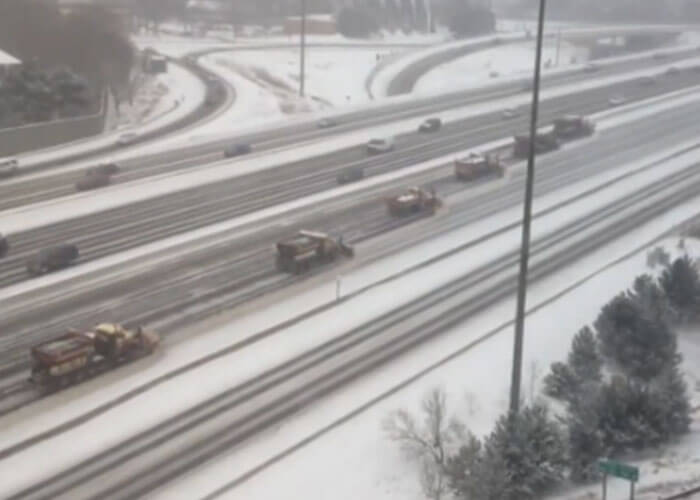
<point x="351" y="174"/>
<point x="430" y="125"/>
<point x="93" y="181"/>
<point x="8" y="167"/>
<point x="237" y="150"/>
<point x="52" y="259"/>
<point x="104" y="168"/>
<point x="4" y="246"/>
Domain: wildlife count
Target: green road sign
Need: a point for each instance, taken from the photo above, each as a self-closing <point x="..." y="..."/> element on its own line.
<point x="617" y="469"/>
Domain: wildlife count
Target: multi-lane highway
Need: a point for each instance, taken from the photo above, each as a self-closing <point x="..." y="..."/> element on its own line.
<point x="232" y="269"/>
<point x="187" y="284"/>
<point x="115" y="230"/>
<point x="49" y="186"/>
<point x="189" y="439"/>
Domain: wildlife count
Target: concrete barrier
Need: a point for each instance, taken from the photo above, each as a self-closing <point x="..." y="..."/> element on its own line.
<point x="31" y="137"/>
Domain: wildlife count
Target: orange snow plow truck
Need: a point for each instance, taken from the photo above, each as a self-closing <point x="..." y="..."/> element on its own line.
<point x="76" y="356"/>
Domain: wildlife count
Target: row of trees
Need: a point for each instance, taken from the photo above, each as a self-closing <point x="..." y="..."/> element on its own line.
<point x="621" y="390"/>
<point x="31" y="95"/>
<point x="621" y="10"/>
<point x="91" y="41"/>
<point x="462" y="17"/>
<point x="361" y="19"/>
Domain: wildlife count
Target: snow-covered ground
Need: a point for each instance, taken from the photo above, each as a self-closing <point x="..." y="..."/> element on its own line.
<point x="184" y="391"/>
<point x="510" y="60"/>
<point x="356" y="460"/>
<point x="154" y="96"/>
<point x="334" y="77"/>
<point x="184" y="88"/>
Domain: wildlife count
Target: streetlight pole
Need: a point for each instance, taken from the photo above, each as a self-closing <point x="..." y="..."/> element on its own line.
<point x="302" y="49"/>
<point x="527" y="220"/>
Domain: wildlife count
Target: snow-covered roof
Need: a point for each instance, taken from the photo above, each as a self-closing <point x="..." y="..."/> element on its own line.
<point x="7" y="59"/>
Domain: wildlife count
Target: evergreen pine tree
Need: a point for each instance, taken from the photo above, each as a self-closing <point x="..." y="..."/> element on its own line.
<point x="523" y="457"/>
<point x="671" y="397"/>
<point x="681" y="282"/>
<point x="640" y="344"/>
<point x="561" y="382"/>
<point x="585" y="442"/>
<point x="584" y="361"/>
<point x="630" y="418"/>
<point x="650" y="298"/>
<point x="463" y="469"/>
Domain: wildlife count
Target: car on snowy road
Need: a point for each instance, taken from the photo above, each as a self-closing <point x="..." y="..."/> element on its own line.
<point x="379" y="146"/>
<point x="430" y="125"/>
<point x="326" y="123"/>
<point x="237" y="150"/>
<point x="617" y="100"/>
<point x="8" y="167"/>
<point x="510" y="113"/>
<point x="127" y="138"/>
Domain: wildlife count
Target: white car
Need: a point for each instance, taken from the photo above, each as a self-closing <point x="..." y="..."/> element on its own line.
<point x="510" y="113"/>
<point x="377" y="146"/>
<point x="617" y="100"/>
<point x="8" y="167"/>
<point x="127" y="138"/>
<point x="326" y="123"/>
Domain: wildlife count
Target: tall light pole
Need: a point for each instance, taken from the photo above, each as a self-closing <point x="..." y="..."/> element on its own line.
<point x="527" y="220"/>
<point x="302" y="49"/>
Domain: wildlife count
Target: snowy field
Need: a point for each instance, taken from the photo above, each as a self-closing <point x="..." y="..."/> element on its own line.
<point x="334" y="77"/>
<point x="490" y="64"/>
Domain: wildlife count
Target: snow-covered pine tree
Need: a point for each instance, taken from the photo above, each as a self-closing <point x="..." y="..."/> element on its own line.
<point x="629" y="416"/>
<point x="640" y="344"/>
<point x="463" y="470"/>
<point x="681" y="282"/>
<point x="523" y="457"/>
<point x="585" y="443"/>
<point x="560" y="382"/>
<point x="652" y="299"/>
<point x="584" y="360"/>
<point x="670" y="394"/>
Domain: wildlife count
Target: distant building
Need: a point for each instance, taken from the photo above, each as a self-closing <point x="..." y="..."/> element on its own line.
<point x="316" y="24"/>
<point x="8" y="63"/>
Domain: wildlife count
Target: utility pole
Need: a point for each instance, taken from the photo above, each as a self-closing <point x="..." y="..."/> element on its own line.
<point x="527" y="220"/>
<point x="302" y="49"/>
